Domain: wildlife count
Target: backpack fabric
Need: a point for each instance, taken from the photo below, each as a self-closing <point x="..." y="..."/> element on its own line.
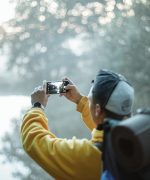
<point x="112" y="170"/>
<point x="107" y="175"/>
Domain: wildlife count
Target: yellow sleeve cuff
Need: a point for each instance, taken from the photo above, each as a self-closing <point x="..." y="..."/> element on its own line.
<point x="97" y="136"/>
<point x="38" y="110"/>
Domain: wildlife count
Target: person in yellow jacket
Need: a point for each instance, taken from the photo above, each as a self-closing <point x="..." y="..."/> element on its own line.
<point x="76" y="159"/>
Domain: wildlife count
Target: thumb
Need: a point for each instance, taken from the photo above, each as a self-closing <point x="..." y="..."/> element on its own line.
<point x="44" y="85"/>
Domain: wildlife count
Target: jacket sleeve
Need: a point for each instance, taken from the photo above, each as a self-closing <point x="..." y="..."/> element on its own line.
<point x="83" y="108"/>
<point x="63" y="159"/>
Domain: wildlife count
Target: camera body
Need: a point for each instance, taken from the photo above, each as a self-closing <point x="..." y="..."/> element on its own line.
<point x="56" y="87"/>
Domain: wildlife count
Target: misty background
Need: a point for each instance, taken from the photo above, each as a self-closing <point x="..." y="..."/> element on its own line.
<point x="50" y="39"/>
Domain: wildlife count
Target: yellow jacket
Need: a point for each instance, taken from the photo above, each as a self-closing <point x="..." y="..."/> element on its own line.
<point x="64" y="159"/>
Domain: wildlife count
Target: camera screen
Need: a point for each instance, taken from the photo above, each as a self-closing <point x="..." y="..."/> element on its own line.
<point x="55" y="87"/>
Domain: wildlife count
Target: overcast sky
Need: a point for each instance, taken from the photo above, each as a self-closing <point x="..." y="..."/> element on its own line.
<point x="6" y="10"/>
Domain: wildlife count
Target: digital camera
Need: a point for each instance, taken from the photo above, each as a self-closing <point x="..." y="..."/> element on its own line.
<point x="56" y="87"/>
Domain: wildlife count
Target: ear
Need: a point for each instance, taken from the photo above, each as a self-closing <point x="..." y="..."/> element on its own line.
<point x="98" y="110"/>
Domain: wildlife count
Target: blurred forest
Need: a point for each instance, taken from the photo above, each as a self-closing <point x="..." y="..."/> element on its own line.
<point x="50" y="39"/>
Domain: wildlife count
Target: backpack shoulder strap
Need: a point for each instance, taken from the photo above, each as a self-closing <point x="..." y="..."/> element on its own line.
<point x="109" y="156"/>
<point x="99" y="145"/>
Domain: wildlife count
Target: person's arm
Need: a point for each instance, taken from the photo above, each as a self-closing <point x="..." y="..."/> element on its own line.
<point x="83" y="108"/>
<point x="82" y="103"/>
<point x="63" y="159"/>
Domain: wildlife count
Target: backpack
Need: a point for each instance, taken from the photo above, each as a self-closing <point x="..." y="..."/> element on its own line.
<point x="112" y="170"/>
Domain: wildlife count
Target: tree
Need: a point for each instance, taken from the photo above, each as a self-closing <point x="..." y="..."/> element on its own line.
<point x="35" y="43"/>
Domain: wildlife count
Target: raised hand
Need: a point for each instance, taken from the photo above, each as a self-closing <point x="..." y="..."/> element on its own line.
<point x="72" y="92"/>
